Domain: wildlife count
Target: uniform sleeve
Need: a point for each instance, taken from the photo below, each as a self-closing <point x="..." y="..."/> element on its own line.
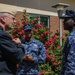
<point x="70" y="65"/>
<point x="41" y="54"/>
<point x="10" y="51"/>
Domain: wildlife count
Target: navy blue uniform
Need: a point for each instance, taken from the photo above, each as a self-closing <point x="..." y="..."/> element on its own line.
<point x="36" y="49"/>
<point x="68" y="59"/>
<point x="10" y="54"/>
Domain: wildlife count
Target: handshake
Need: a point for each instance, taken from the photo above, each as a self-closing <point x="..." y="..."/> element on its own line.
<point x="28" y="57"/>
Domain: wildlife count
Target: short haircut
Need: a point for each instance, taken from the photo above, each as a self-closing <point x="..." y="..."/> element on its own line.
<point x="3" y="13"/>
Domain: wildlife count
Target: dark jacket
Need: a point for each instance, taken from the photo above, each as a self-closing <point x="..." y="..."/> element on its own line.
<point x="10" y="54"/>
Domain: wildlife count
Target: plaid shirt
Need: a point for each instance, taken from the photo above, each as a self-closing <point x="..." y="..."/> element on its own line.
<point x="37" y="50"/>
<point x="68" y="59"/>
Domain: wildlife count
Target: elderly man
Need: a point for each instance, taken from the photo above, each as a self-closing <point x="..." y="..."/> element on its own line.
<point x="68" y="52"/>
<point x="10" y="53"/>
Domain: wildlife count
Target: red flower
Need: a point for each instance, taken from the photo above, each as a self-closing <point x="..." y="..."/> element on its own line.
<point x="44" y="71"/>
<point x="58" y="62"/>
<point x="14" y="36"/>
<point x="47" y="56"/>
<point x="39" y="73"/>
<point x="55" y="63"/>
<point x="18" y="27"/>
<point x="52" y="55"/>
<point x="15" y="30"/>
<point x="45" y="33"/>
<point x="41" y="35"/>
<point x="47" y="50"/>
<point x="32" y="22"/>
<point x="36" y="30"/>
<point x="24" y="22"/>
<point x="24" y="36"/>
<point x="20" y="32"/>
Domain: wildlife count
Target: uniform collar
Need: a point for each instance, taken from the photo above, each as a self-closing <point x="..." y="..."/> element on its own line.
<point x="29" y="41"/>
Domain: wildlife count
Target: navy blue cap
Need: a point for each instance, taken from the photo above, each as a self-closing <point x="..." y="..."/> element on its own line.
<point x="69" y="14"/>
<point x="27" y="27"/>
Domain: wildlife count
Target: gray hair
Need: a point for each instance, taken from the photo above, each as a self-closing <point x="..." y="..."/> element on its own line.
<point x="4" y="14"/>
<point x="1" y="14"/>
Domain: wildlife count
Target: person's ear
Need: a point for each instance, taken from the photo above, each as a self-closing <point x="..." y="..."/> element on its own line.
<point x="2" y="19"/>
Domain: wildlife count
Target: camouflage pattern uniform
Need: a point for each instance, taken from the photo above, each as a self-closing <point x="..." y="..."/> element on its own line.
<point x="37" y="50"/>
<point x="68" y="59"/>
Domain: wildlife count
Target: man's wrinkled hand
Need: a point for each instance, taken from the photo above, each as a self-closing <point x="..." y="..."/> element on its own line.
<point x="16" y="40"/>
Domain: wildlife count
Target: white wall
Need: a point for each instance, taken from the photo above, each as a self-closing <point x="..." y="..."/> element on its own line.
<point x="44" y="5"/>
